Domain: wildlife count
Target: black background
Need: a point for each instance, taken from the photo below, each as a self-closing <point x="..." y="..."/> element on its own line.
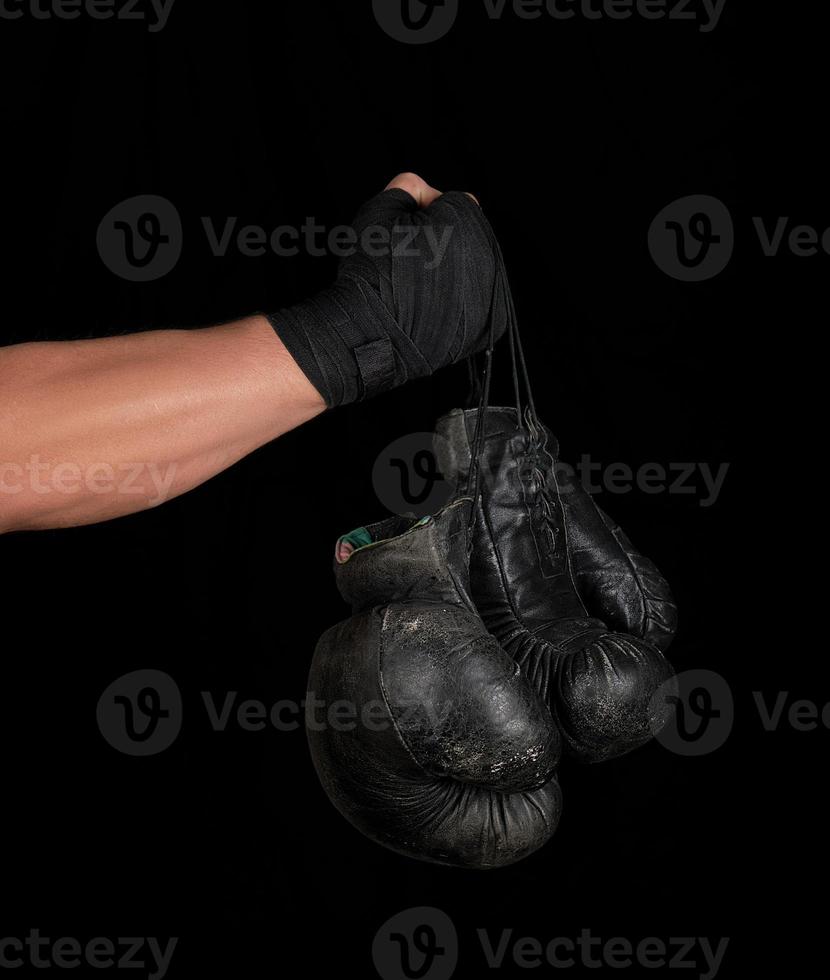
<point x="573" y="135"/>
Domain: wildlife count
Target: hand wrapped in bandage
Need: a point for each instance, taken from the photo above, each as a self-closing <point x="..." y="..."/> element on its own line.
<point x="417" y="294"/>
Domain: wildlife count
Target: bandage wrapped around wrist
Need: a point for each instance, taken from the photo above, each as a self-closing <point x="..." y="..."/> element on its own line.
<point x="416" y="295"/>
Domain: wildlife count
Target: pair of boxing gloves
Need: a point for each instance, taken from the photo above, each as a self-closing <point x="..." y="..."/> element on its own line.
<point x="489" y="639"/>
<point x="485" y="652"/>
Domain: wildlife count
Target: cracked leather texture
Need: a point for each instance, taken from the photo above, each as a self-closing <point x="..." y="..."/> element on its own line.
<point x="457" y="764"/>
<point x="561" y="587"/>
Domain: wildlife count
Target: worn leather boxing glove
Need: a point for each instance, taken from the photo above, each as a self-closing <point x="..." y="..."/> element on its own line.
<point x="417" y="294"/>
<point x="452" y="753"/>
<point x="562" y="589"/>
<point x="615" y="582"/>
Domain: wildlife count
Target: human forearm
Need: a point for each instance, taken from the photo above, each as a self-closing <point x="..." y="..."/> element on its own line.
<point x="91" y="430"/>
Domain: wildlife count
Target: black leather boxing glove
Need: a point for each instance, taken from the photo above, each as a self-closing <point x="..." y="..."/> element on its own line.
<point x="615" y="581"/>
<point x="574" y="603"/>
<point x="452" y="755"/>
<point x="416" y="295"/>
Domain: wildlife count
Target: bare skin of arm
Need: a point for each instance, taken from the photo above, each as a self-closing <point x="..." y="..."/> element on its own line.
<point x="92" y="430"/>
<point x="96" y="429"/>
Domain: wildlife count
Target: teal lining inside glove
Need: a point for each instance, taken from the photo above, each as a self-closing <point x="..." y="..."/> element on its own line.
<point x="358" y="538"/>
<point x="362" y="537"/>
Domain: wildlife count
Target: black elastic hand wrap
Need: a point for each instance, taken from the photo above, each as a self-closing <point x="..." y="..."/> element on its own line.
<point x="416" y="295"/>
